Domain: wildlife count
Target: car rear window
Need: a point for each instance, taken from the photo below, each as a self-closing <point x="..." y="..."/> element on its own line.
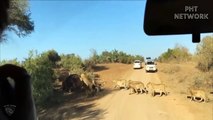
<point x="137" y="61"/>
<point x="150" y="63"/>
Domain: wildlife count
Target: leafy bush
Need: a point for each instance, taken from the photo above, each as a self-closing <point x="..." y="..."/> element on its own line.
<point x="13" y="61"/>
<point x="105" y="57"/>
<point x="113" y="56"/>
<point x="89" y="64"/>
<point x="116" y="56"/>
<point x="53" y="56"/>
<point x="177" y="54"/>
<point x="72" y="62"/>
<point x="40" y="68"/>
<point x="46" y="67"/>
<point x="205" y="54"/>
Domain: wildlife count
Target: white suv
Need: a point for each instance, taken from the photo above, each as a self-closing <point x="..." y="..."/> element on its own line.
<point x="151" y="66"/>
<point x="137" y="64"/>
<point x="147" y="59"/>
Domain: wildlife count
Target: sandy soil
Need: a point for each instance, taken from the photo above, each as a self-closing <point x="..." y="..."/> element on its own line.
<point x="122" y="106"/>
<point x="119" y="105"/>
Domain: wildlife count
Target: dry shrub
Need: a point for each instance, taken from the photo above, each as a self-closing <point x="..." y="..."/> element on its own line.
<point x="205" y="53"/>
<point x="181" y="76"/>
<point x="203" y="80"/>
<point x="171" y="69"/>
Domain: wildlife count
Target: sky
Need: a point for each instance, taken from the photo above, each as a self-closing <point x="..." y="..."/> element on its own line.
<point x="79" y="26"/>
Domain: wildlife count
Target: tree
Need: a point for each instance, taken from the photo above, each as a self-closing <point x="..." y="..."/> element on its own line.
<point x="13" y="61"/>
<point x="72" y="62"/>
<point x="53" y="56"/>
<point x="138" y="57"/>
<point x="94" y="56"/>
<point x="41" y="72"/>
<point x="19" y="20"/>
<point x="181" y="53"/>
<point x="114" y="56"/>
<point x="205" y="54"/>
<point x="178" y="54"/>
<point x="91" y="61"/>
<point x="105" y="57"/>
<point x="4" y="5"/>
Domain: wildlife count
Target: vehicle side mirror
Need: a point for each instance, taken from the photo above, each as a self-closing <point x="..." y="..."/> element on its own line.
<point x="171" y="17"/>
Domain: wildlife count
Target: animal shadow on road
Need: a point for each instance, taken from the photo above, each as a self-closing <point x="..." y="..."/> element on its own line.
<point x="99" y="68"/>
<point x="74" y="107"/>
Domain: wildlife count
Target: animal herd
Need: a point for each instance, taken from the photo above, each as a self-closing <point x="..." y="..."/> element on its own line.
<point x="197" y="95"/>
<point x="81" y="83"/>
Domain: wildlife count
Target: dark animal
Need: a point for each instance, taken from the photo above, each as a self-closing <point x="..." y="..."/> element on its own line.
<point x="77" y="83"/>
<point x="63" y="74"/>
<point x="73" y="84"/>
<point x="16" y="100"/>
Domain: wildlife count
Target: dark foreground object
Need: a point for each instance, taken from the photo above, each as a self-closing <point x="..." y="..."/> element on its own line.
<point x="16" y="100"/>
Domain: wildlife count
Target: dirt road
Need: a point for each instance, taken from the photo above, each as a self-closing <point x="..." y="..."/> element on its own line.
<point x="119" y="105"/>
<point x="122" y="106"/>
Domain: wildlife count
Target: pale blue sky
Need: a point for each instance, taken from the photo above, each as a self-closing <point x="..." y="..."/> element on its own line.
<point x="78" y="26"/>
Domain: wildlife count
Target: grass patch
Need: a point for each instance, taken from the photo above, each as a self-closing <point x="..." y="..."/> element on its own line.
<point x="171" y="69"/>
<point x="179" y="77"/>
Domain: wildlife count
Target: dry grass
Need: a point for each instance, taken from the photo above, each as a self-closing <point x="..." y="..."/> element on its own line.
<point x="182" y="76"/>
<point x="171" y="69"/>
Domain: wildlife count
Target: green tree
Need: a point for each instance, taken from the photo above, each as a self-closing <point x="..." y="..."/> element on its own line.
<point x="139" y="57"/>
<point x="105" y="57"/>
<point x="4" y="6"/>
<point x="72" y="62"/>
<point x="181" y="53"/>
<point x="122" y="58"/>
<point x="94" y="56"/>
<point x="52" y="56"/>
<point x="90" y="63"/>
<point x="177" y="54"/>
<point x="19" y="20"/>
<point x="116" y="56"/>
<point x="13" y="61"/>
<point x="41" y="72"/>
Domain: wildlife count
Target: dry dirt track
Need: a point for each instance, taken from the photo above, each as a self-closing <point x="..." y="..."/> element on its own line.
<point x="122" y="106"/>
<point x="119" y="105"/>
